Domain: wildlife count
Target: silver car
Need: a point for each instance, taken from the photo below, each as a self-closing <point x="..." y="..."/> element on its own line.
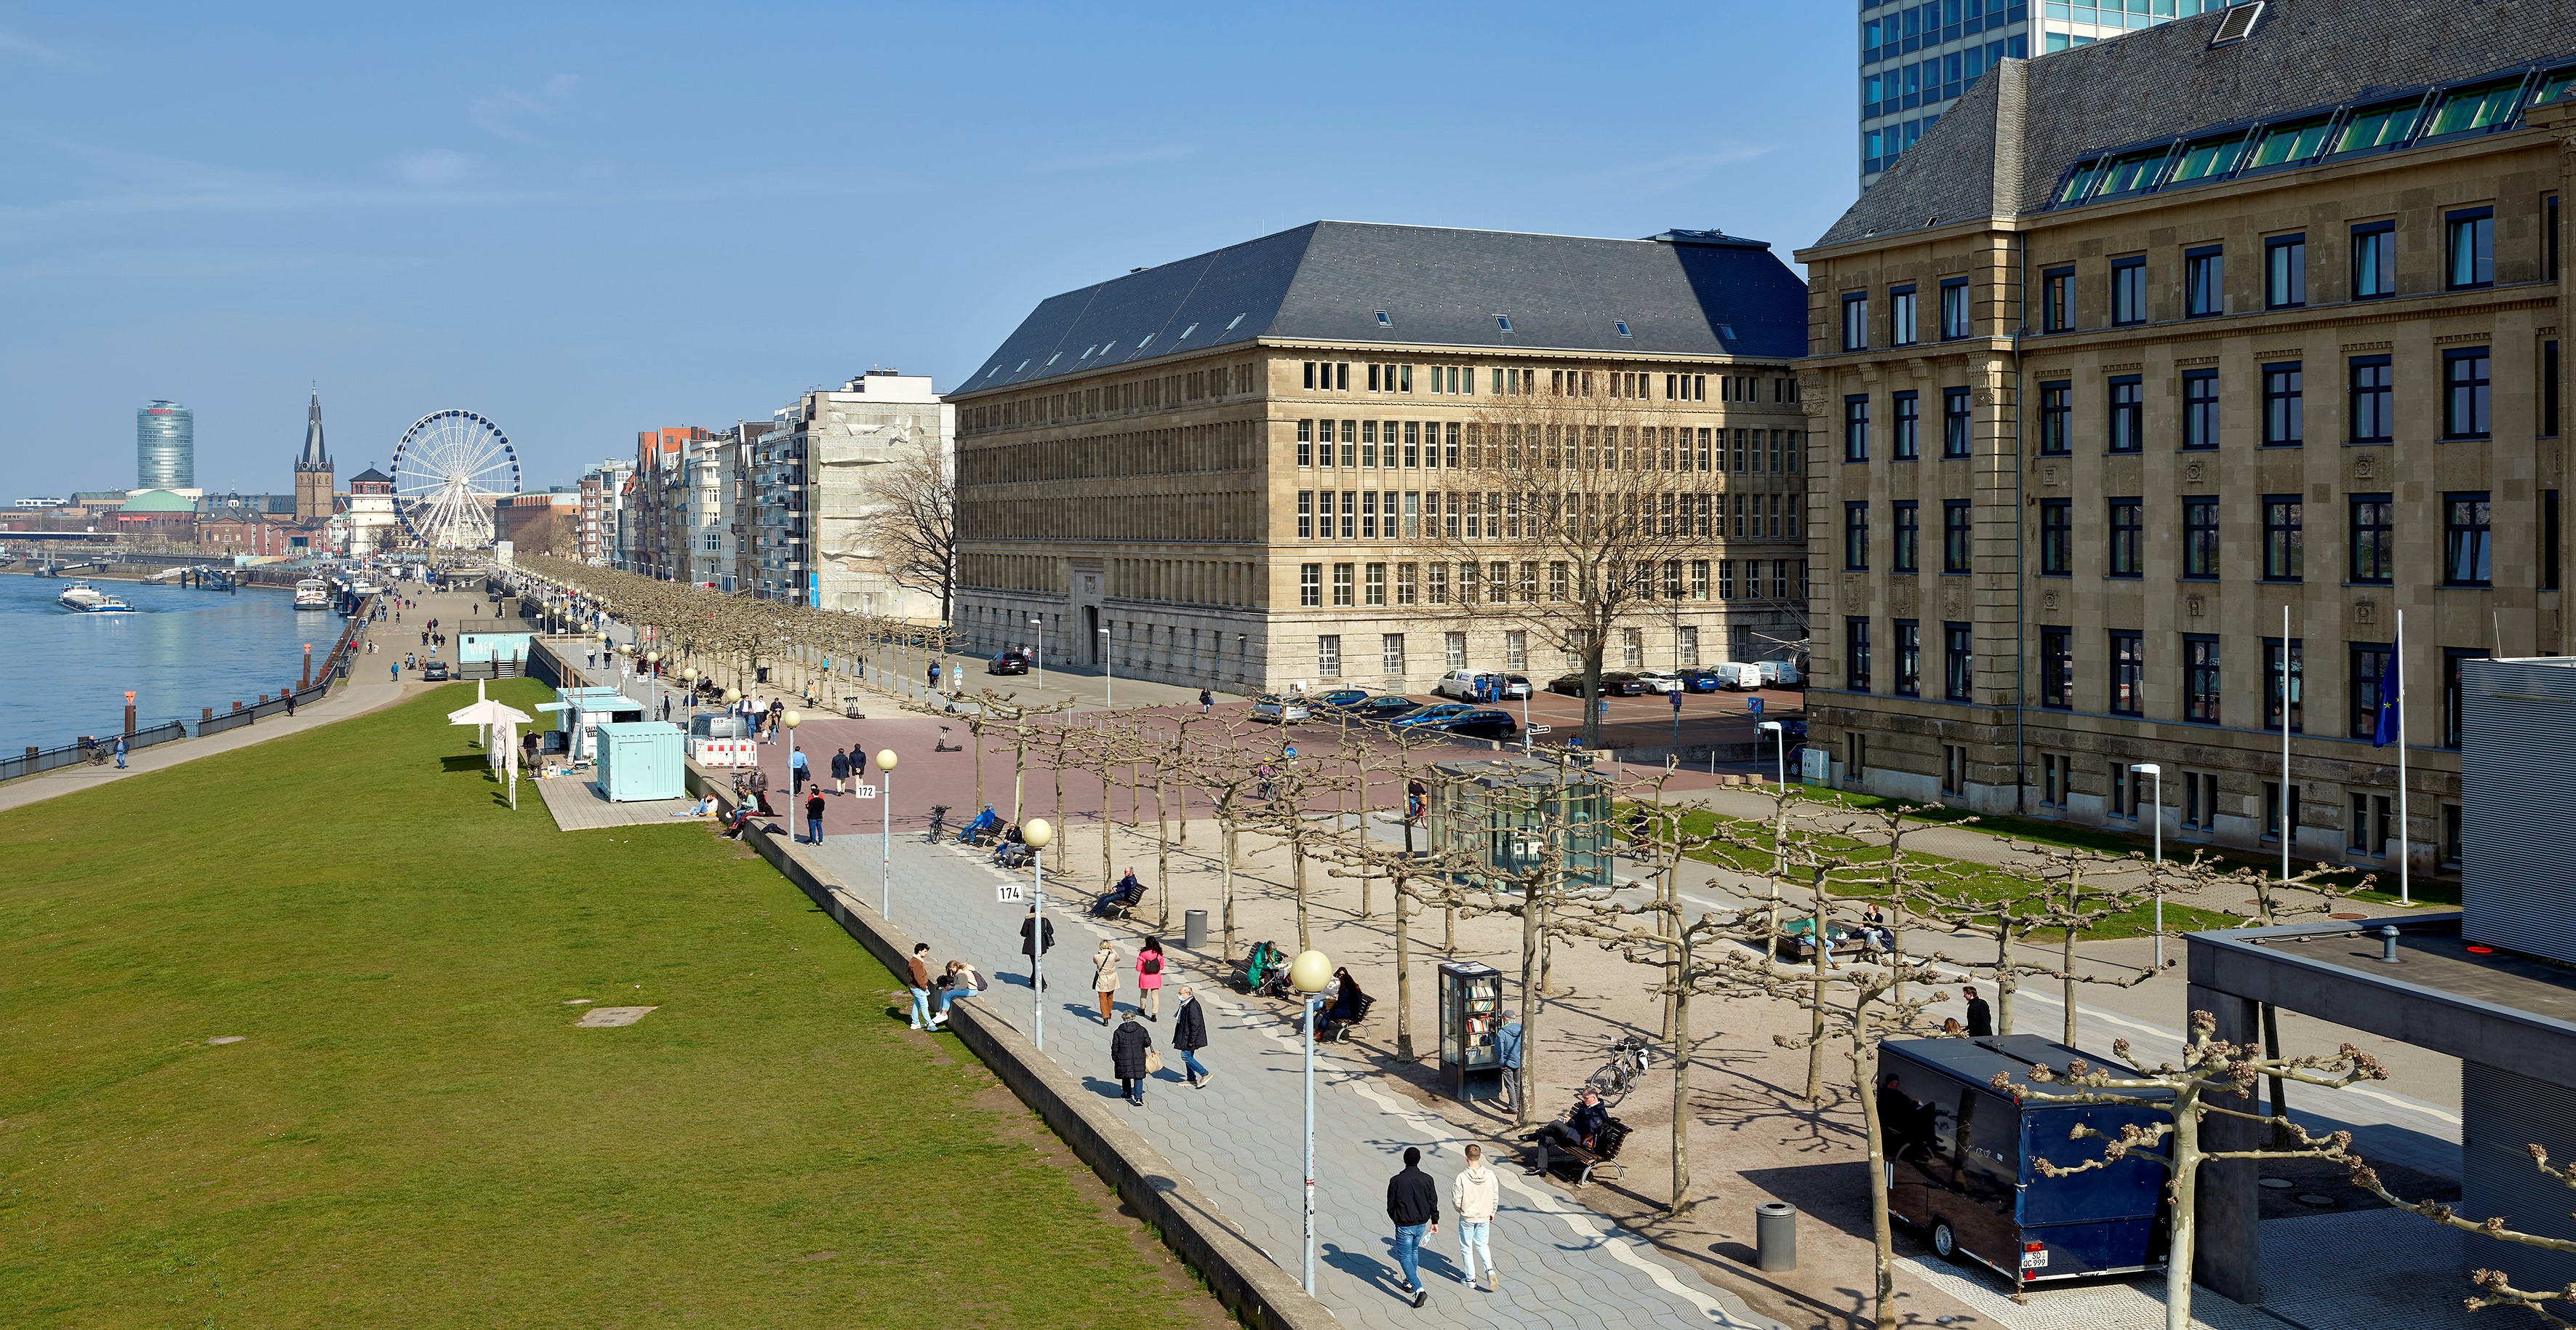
<point x="1279" y="710"/>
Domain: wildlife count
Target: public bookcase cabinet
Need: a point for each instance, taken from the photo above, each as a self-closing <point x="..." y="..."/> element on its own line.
<point x="1471" y="1011"/>
<point x="1961" y="1162"/>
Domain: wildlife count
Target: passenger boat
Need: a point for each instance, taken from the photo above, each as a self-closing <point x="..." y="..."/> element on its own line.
<point x="311" y="594"/>
<point x="83" y="598"/>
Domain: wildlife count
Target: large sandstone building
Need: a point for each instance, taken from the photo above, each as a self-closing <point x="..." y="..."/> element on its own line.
<point x="1269" y="466"/>
<point x="2148" y="342"/>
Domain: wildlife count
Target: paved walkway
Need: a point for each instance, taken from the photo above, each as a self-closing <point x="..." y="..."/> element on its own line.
<point x="1238" y="1139"/>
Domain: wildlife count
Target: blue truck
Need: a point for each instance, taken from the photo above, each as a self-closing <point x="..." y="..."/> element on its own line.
<point x="1961" y="1162"/>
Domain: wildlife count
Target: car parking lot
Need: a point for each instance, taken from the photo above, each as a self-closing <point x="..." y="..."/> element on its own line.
<point x="1647" y="720"/>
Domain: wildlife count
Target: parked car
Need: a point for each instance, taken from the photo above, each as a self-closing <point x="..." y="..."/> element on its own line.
<point x="1700" y="680"/>
<point x="1483" y="723"/>
<point x="1779" y="674"/>
<point x="1437" y="714"/>
<point x="1342" y="697"/>
<point x="1381" y="709"/>
<point x="1738" y="677"/>
<point x="1006" y="663"/>
<point x="1280" y="710"/>
<point x="434" y="672"/>
<point x="1660" y="681"/>
<point x="1515" y="687"/>
<point x="1614" y="683"/>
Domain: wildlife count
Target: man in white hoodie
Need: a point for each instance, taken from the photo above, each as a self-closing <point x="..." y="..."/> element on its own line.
<point x="1474" y="1195"/>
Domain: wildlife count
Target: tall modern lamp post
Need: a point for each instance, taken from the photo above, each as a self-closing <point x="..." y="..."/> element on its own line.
<point x="2156" y="774"/>
<point x="1108" y="681"/>
<point x="1037" y="632"/>
<point x="1035" y="833"/>
<point x="1780" y="747"/>
<point x="885" y="846"/>
<point x="1308" y="974"/>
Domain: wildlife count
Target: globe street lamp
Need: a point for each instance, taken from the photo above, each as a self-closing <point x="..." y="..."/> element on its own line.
<point x="885" y="847"/>
<point x="689" y="680"/>
<point x="1109" y="681"/>
<point x="1308" y="974"/>
<point x="2156" y="774"/>
<point x="1037" y="630"/>
<point x="1035" y="833"/>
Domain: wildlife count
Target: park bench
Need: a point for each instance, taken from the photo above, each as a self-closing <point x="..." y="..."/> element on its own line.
<point x="1580" y="1164"/>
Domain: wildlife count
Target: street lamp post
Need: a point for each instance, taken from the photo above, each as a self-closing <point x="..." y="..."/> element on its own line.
<point x="885" y="847"/>
<point x="1035" y="833"/>
<point x="1037" y="633"/>
<point x="1780" y="749"/>
<point x="1109" y="681"/>
<point x="2157" y="774"/>
<point x="1308" y="974"/>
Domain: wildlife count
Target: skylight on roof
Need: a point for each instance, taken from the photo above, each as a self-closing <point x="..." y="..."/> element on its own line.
<point x="1145" y="341"/>
<point x="1086" y="351"/>
<point x="1023" y="365"/>
<point x="1622" y="326"/>
<point x="993" y="371"/>
<point x="1727" y="331"/>
<point x="1229" y="327"/>
<point x="1107" y="347"/>
<point x="1185" y="332"/>
<point x="2238" y="25"/>
<point x="1503" y="321"/>
<point x="1053" y="358"/>
<point x="1383" y="321"/>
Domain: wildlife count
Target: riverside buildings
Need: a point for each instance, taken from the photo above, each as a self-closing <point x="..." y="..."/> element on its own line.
<point x="1279" y="463"/>
<point x="2154" y="339"/>
<point x="817" y="523"/>
<point x="1918" y="56"/>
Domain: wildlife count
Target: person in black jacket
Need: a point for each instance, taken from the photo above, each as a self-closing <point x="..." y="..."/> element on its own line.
<point x="1189" y="1035"/>
<point x="1981" y="1018"/>
<point x="1580" y="1126"/>
<point x="1030" y="947"/>
<point x="1127" y="1050"/>
<point x="1413" y="1204"/>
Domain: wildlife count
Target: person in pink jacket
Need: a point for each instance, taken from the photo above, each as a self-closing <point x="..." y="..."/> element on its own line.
<point x="1149" y="978"/>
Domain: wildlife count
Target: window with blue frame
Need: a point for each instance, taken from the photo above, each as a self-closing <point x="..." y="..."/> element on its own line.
<point x="2471" y="247"/>
<point x="2374" y="260"/>
<point x="2128" y="428"/>
<point x="2128" y="291"/>
<point x="2057" y="300"/>
<point x="1856" y="428"/>
<point x="1954" y="309"/>
<point x="1856" y="655"/>
<point x="2465" y="390"/>
<point x="2200" y="409"/>
<point x="2204" y="281"/>
<point x="2056" y="419"/>
<point x="1905" y="555"/>
<point x="1958" y="523"/>
<point x="2373" y="402"/>
<point x="1856" y="321"/>
<point x="2284" y="423"/>
<point x="2285" y="272"/>
<point x="1906" y="445"/>
<point x="1954" y="422"/>
<point x="1856" y="535"/>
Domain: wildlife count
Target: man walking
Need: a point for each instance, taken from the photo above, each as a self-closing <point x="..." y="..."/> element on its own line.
<point x="1189" y="1035"/>
<point x="1413" y="1204"/>
<point x="797" y="771"/>
<point x="1474" y="1195"/>
<point x="841" y="771"/>
<point x="1037" y="936"/>
<point x="920" y="981"/>
<point x="1981" y="1018"/>
<point x="814" y="817"/>
<point x="120" y="752"/>
<point x="1507" y="1047"/>
<point x="1207" y="700"/>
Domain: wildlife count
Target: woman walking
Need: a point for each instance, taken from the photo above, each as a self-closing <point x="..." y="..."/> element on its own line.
<point x="1149" y="978"/>
<point x="1104" y="976"/>
<point x="1189" y="1035"/>
<point x="1131" y="1058"/>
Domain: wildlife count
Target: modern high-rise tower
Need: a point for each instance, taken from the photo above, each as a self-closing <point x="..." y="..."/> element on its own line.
<point x="1917" y="56"/>
<point x="165" y="447"/>
<point x="313" y="469"/>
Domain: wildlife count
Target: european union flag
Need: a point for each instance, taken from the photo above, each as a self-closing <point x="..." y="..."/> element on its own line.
<point x="2386" y="733"/>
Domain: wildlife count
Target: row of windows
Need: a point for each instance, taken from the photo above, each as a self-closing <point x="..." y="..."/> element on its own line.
<point x="1934" y="22"/>
<point x="1226" y="445"/>
<point x="1337" y="376"/>
<point x="1632" y="649"/>
<point x="1146" y="394"/>
<point x="1906" y="428"/>
<point x="1436" y="444"/>
<point x="1502" y="582"/>
<point x="2468" y="523"/>
<point x="1375" y="515"/>
<point x="1939" y="79"/>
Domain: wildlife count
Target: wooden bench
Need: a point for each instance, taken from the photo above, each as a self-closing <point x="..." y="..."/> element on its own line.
<point x="1581" y="1164"/>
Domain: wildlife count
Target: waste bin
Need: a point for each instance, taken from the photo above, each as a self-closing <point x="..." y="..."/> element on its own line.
<point x="1775" y="1236"/>
<point x="1194" y="929"/>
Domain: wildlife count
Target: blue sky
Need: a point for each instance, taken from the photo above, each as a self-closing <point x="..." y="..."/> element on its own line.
<point x="587" y="221"/>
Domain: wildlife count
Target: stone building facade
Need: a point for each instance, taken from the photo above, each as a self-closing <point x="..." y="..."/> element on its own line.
<point x="2151" y="341"/>
<point x="1216" y="471"/>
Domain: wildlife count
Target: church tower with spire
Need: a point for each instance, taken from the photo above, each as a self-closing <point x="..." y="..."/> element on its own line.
<point x="313" y="492"/>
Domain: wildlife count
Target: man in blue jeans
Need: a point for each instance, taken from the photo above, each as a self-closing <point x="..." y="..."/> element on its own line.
<point x="1413" y="1203"/>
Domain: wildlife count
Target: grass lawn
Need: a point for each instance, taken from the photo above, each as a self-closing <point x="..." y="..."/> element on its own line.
<point x="412" y="1132"/>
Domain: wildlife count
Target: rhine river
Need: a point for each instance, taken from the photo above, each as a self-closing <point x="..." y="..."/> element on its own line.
<point x="66" y="674"/>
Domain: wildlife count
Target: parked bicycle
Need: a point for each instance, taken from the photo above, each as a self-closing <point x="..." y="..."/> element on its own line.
<point x="1630" y="1058"/>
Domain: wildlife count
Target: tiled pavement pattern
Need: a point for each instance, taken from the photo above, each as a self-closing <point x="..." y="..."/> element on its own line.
<point x="2414" y="1278"/>
<point x="1238" y="1138"/>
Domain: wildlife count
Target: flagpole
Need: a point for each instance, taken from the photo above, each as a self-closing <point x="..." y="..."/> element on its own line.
<point x="2404" y="849"/>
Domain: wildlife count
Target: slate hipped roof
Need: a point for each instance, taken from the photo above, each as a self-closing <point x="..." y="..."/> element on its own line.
<point x="371" y="476"/>
<point x="1683" y="293"/>
<point x="2002" y="149"/>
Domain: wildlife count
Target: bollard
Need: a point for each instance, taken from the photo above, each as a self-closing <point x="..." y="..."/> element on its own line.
<point x="1775" y="1236"/>
<point x="1194" y="929"/>
<point x="2388" y="943"/>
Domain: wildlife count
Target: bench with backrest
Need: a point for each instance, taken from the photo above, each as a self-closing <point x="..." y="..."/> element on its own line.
<point x="1580" y="1164"/>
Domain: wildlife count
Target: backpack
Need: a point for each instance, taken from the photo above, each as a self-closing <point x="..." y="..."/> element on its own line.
<point x="1153" y="964"/>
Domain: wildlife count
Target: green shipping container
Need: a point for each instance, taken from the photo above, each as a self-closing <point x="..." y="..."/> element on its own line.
<point x="641" y="759"/>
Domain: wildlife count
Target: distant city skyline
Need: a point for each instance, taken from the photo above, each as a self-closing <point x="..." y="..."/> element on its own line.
<point x="509" y="211"/>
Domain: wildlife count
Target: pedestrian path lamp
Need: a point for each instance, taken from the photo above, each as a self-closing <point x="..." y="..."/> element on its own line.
<point x="1036" y="834"/>
<point x="1308" y="974"/>
<point x="2156" y="774"/>
<point x="885" y="847"/>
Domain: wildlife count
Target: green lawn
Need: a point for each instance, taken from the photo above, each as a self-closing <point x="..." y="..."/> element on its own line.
<point x="413" y="1133"/>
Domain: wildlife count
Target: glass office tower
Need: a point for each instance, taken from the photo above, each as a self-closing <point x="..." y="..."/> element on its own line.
<point x="165" y="447"/>
<point x="1916" y="58"/>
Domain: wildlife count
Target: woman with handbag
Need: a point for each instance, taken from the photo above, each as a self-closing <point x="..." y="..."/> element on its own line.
<point x="1149" y="978"/>
<point x="1104" y="976"/>
<point x="1132" y="1058"/>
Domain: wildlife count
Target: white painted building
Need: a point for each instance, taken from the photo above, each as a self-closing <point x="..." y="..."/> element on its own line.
<point x="816" y="536"/>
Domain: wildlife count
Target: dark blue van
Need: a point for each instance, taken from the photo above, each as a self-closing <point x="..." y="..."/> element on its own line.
<point x="1961" y="1163"/>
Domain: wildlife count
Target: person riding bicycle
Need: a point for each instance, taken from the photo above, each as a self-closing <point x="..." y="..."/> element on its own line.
<point x="1578" y="1126"/>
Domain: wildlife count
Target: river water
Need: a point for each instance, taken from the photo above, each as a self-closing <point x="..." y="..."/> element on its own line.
<point x="66" y="674"/>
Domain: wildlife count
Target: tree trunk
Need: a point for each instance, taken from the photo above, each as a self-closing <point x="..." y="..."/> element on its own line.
<point x="1297" y="869"/>
<point x="1225" y="889"/>
<point x="1162" y="857"/>
<point x="1529" y="1015"/>
<point x="1680" y="1035"/>
<point x="2186" y="1192"/>
<point x="1816" y="996"/>
<point x="1403" y="977"/>
<point x="2003" y="976"/>
<point x="2066" y="961"/>
<point x="1670" y="891"/>
<point x="1883" y="1293"/>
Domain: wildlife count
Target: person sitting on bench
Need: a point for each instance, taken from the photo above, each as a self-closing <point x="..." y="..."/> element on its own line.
<point x="1006" y="846"/>
<point x="1128" y="894"/>
<point x="1344" y="1004"/>
<point x="1578" y="1128"/>
<point x="984" y="822"/>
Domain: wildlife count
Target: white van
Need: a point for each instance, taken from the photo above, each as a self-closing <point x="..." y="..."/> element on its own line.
<point x="1469" y="685"/>
<point x="1779" y="674"/>
<point x="1737" y="677"/>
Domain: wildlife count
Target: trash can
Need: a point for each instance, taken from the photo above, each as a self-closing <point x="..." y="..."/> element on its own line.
<point x="1194" y="929"/>
<point x="1775" y="1236"/>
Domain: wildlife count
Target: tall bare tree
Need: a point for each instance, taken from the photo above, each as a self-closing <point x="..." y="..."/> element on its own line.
<point x="914" y="497"/>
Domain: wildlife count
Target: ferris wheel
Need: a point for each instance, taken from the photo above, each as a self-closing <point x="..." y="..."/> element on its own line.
<point x="448" y="470"/>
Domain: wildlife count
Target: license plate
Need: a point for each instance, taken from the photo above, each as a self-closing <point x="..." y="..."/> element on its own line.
<point x="2034" y="1260"/>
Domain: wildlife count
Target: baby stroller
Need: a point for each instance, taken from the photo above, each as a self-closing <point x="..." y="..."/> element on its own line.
<point x="1264" y="972"/>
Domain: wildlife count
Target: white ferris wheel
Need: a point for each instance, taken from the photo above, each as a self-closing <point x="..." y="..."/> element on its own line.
<point x="448" y="470"/>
